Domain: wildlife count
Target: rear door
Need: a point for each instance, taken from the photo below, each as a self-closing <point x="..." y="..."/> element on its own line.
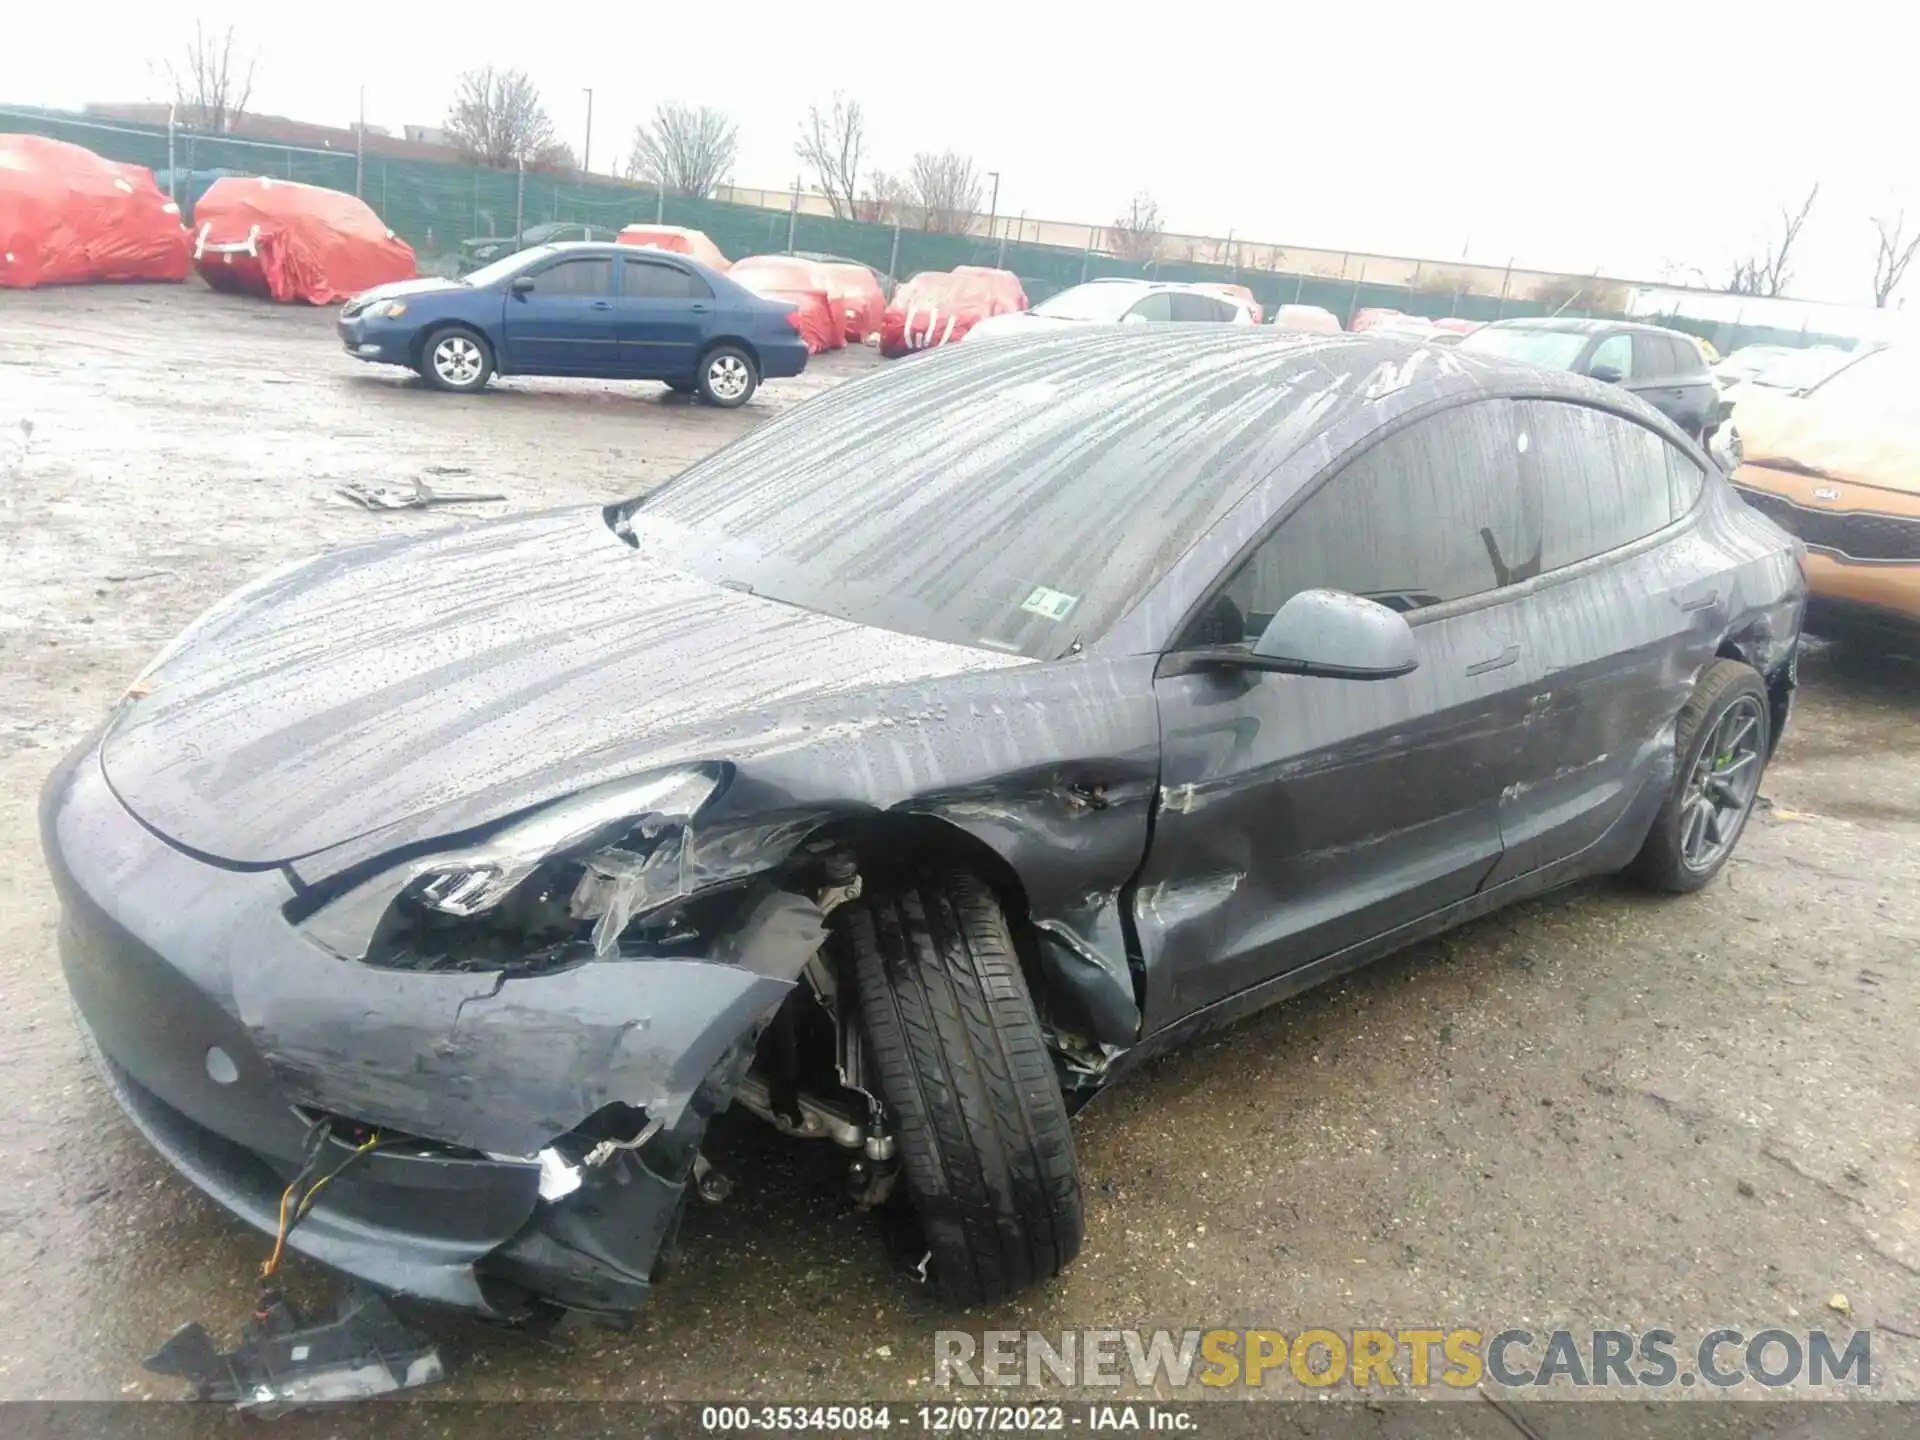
<point x="1625" y="611"/>
<point x="564" y="323"/>
<point x="664" y="313"/>
<point x="1301" y="816"/>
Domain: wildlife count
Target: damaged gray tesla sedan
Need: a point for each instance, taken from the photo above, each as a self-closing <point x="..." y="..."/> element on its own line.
<point x="903" y="773"/>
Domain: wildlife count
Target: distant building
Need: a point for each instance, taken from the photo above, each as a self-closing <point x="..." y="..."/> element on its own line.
<point x="427" y="135"/>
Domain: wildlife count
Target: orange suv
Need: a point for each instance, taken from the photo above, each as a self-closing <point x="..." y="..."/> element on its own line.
<point x="1838" y="464"/>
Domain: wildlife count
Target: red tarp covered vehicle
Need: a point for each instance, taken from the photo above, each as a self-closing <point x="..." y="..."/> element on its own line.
<point x="693" y="244"/>
<point x="781" y="277"/>
<point x="67" y="217"/>
<point x="938" y="307"/>
<point x="857" y="296"/>
<point x="293" y="242"/>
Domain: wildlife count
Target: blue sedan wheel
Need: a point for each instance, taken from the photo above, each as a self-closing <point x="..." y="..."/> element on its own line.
<point x="457" y="360"/>
<point x="728" y="377"/>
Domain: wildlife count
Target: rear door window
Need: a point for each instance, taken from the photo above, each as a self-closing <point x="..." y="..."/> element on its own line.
<point x="1433" y="513"/>
<point x="1603" y="480"/>
<point x="1688" y="362"/>
<point x="651" y="280"/>
<point x="1188" y="306"/>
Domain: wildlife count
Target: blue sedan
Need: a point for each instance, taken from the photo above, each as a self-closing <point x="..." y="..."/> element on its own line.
<point x="615" y="312"/>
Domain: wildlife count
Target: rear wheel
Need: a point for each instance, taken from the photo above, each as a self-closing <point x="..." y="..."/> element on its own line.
<point x="456" y="359"/>
<point x="728" y="377"/>
<point x="956" y="1055"/>
<point x="1723" y="739"/>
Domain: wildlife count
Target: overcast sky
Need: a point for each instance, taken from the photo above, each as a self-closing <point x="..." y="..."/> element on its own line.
<point x="1623" y="137"/>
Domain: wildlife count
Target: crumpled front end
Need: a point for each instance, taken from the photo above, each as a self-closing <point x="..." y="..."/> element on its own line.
<point x="538" y="1128"/>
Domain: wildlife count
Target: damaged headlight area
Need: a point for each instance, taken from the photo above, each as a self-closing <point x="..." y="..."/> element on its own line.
<point x="574" y="881"/>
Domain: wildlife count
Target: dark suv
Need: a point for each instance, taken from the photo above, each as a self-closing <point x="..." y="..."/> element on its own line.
<point x="1663" y="367"/>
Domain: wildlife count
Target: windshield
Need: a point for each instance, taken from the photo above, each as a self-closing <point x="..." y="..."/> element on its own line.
<point x="981" y="498"/>
<point x="1555" y="349"/>
<point x="1090" y="302"/>
<point x="507" y="265"/>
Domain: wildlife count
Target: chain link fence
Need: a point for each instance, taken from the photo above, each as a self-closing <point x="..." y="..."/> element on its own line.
<point x="434" y="206"/>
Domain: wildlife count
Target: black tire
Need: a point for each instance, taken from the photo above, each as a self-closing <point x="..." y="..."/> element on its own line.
<point x="457" y="359"/>
<point x="1663" y="862"/>
<point x="727" y="377"/>
<point x="956" y="1055"/>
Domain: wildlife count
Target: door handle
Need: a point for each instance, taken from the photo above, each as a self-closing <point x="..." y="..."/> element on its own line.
<point x="603" y="305"/>
<point x="1499" y="662"/>
<point x="698" y="308"/>
<point x="1700" y="602"/>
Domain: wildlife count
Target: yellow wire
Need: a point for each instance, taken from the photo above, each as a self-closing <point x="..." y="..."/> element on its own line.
<point x="272" y="1263"/>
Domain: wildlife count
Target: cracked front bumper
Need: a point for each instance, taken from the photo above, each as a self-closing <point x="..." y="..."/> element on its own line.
<point x="221" y="1029"/>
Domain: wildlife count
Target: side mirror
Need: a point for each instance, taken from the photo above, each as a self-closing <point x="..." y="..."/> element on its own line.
<point x="1132" y="319"/>
<point x="1327" y="633"/>
<point x="1606" y="374"/>
<point x="522" y="285"/>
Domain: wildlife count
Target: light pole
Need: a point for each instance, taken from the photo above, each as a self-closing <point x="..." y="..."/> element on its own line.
<point x="993" y="205"/>
<point x="586" y="150"/>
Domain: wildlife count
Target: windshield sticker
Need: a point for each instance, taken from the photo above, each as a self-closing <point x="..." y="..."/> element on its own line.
<point x="1052" y="604"/>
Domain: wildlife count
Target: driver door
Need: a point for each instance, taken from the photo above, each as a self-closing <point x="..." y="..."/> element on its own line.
<point x="1300" y="816"/>
<point x="564" y="321"/>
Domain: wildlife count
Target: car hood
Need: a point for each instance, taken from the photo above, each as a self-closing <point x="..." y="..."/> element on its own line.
<point x="1808" y="434"/>
<point x="1019" y="322"/>
<point x="511" y="658"/>
<point x="396" y="288"/>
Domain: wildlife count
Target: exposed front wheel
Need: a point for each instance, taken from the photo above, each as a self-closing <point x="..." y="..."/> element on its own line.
<point x="728" y="377"/>
<point x="955" y="1053"/>
<point x="457" y="360"/>
<point x="1723" y="738"/>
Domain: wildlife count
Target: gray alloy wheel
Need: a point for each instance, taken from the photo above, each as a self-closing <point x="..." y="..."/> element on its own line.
<point x="1724" y="740"/>
<point x="1722" y="787"/>
<point x="456" y="360"/>
<point x="727" y="377"/>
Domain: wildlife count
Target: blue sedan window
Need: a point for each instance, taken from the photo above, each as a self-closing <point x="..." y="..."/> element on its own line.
<point x="586" y="276"/>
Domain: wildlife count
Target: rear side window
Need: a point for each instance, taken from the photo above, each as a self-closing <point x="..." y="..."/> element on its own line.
<point x="1432" y="513"/>
<point x="650" y="280"/>
<point x="1603" y="481"/>
<point x="575" y="277"/>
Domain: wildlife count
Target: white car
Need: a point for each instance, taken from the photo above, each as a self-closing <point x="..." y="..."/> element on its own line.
<point x="1118" y="302"/>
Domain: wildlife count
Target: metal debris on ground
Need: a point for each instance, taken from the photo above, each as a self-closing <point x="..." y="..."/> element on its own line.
<point x="415" y="496"/>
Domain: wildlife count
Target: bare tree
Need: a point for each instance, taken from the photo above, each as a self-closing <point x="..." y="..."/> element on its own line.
<point x="830" y="145"/>
<point x="1895" y="251"/>
<point x="1136" y="232"/>
<point x="212" y="85"/>
<point x="945" y="190"/>
<point x="1769" y="272"/>
<point x="497" y="118"/>
<point x="687" y="149"/>
<point x="556" y="157"/>
<point x="887" y="199"/>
